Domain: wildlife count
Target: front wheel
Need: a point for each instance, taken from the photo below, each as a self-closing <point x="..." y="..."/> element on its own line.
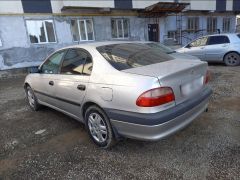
<point x="99" y="127"/>
<point x="32" y="99"/>
<point x="232" y="59"/>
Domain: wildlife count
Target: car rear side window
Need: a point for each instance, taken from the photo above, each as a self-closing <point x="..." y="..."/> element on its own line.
<point x="131" y="55"/>
<point x="76" y="61"/>
<point x="213" y="40"/>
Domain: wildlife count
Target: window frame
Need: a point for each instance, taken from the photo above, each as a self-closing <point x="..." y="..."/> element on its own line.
<point x="226" y="21"/>
<point x="210" y="29"/>
<point x="122" y="24"/>
<point x="172" y="32"/>
<point x="85" y="28"/>
<point x="193" y="22"/>
<point x="45" y="31"/>
<point x="81" y="49"/>
<point x="47" y="59"/>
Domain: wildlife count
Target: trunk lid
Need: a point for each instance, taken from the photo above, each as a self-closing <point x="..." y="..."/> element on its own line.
<point x="176" y="74"/>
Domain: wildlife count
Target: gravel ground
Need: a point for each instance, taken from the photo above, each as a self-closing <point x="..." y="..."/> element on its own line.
<point x="50" y="145"/>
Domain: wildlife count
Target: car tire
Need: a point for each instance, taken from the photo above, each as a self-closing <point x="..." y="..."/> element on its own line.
<point x="232" y="59"/>
<point x="99" y="127"/>
<point x="32" y="99"/>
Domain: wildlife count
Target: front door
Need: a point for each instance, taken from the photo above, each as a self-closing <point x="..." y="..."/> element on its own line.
<point x="72" y="83"/>
<point x="197" y="48"/>
<point x="45" y="82"/>
<point x="153" y="32"/>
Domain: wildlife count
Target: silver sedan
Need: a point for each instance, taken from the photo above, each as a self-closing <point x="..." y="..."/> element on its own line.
<point x="215" y="48"/>
<point x="121" y="89"/>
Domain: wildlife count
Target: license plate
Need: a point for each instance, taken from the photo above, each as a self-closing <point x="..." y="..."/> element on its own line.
<point x="192" y="87"/>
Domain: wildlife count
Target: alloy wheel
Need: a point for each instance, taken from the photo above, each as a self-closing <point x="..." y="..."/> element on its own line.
<point x="31" y="99"/>
<point x="97" y="127"/>
<point x="232" y="59"/>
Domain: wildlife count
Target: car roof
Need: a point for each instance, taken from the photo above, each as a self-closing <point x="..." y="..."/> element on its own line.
<point x="96" y="44"/>
<point x="221" y="34"/>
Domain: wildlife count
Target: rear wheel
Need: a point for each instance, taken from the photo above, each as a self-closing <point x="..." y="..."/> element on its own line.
<point x="99" y="127"/>
<point x="232" y="59"/>
<point x="32" y="99"/>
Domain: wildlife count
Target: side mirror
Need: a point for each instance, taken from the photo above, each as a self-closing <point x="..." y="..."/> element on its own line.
<point x="34" y="70"/>
<point x="188" y="46"/>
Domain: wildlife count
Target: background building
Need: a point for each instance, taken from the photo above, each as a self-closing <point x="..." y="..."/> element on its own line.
<point x="32" y="29"/>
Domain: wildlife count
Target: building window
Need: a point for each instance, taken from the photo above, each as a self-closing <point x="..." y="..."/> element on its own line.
<point x="41" y="31"/>
<point x="172" y="35"/>
<point x="226" y="24"/>
<point x="82" y="30"/>
<point x="120" y="28"/>
<point x="193" y="24"/>
<point x="211" y="24"/>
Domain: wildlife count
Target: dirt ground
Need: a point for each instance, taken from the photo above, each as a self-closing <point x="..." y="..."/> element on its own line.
<point x="50" y="145"/>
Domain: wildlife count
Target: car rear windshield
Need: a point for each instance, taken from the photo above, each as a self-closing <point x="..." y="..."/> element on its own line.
<point x="131" y="55"/>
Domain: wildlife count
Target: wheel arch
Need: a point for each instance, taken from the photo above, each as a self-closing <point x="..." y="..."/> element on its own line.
<point x="26" y="84"/>
<point x="87" y="104"/>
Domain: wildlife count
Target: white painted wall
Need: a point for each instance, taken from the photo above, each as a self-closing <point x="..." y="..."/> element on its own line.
<point x="13" y="34"/>
<point x="142" y="4"/>
<point x="229" y="5"/>
<point x="10" y="6"/>
<point x="91" y="3"/>
<point x="56" y="6"/>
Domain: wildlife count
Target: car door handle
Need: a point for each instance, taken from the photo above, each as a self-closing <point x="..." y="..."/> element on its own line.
<point x="81" y="87"/>
<point x="51" y="83"/>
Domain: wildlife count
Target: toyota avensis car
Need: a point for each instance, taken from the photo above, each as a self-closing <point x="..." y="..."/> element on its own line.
<point x="121" y="89"/>
<point x="215" y="48"/>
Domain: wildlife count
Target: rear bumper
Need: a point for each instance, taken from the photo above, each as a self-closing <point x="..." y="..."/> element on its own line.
<point x="156" y="126"/>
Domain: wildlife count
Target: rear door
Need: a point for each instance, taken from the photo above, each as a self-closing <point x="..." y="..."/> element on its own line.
<point x="197" y="48"/>
<point x="44" y="86"/>
<point x="216" y="47"/>
<point x="72" y="83"/>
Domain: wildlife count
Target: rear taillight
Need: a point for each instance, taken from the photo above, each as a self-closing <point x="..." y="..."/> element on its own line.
<point x="207" y="77"/>
<point x="156" y="97"/>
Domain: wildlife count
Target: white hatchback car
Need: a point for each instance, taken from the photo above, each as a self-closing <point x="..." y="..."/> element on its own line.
<point x="215" y="48"/>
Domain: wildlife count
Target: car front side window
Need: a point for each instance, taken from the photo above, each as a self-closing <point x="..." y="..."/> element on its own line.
<point x="199" y="42"/>
<point x="51" y="66"/>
